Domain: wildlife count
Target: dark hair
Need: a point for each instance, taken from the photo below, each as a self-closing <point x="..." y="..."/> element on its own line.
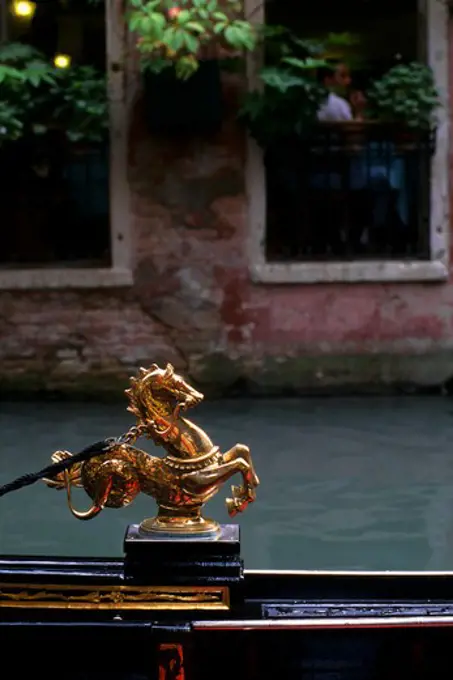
<point x="329" y="70"/>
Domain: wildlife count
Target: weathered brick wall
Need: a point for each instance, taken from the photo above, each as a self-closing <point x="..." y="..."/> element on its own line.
<point x="193" y="303"/>
<point x="189" y="221"/>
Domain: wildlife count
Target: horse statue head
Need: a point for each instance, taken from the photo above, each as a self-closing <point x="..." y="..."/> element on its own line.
<point x="160" y="391"/>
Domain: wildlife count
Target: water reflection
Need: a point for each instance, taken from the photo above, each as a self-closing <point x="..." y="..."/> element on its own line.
<point x="345" y="483"/>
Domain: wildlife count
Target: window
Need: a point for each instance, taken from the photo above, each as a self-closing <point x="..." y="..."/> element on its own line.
<point x="358" y="200"/>
<point x="64" y="203"/>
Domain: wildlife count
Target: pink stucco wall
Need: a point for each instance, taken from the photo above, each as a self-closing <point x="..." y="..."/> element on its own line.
<point x="194" y="304"/>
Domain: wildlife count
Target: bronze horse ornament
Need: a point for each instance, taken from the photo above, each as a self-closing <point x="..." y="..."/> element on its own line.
<point x="190" y="474"/>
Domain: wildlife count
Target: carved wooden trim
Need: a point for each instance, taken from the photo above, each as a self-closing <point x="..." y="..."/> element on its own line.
<point x="46" y="596"/>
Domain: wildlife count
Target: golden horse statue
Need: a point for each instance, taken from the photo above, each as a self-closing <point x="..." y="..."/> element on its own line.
<point x="181" y="482"/>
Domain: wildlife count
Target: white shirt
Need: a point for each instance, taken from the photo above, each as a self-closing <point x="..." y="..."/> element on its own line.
<point x="335" y="108"/>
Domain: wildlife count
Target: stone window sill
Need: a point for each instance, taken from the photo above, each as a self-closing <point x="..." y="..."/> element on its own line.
<point x="26" y="279"/>
<point x="332" y="272"/>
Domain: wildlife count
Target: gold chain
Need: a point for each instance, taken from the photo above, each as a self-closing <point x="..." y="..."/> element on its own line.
<point x="134" y="433"/>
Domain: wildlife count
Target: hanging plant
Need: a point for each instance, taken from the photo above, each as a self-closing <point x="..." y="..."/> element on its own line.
<point x="80" y="104"/>
<point x="36" y="97"/>
<point x="284" y="106"/>
<point x="25" y="78"/>
<point x="406" y="94"/>
<point x="182" y="33"/>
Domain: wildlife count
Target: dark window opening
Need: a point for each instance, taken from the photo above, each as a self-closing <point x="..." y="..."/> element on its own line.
<point x="54" y="192"/>
<point x="354" y="190"/>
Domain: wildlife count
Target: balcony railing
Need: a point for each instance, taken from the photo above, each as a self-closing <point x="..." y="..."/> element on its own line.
<point x="352" y="191"/>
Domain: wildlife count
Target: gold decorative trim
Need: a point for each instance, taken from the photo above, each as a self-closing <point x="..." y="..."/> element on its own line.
<point x="38" y="596"/>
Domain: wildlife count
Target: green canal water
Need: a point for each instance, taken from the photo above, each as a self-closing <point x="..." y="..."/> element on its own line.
<point x="345" y="483"/>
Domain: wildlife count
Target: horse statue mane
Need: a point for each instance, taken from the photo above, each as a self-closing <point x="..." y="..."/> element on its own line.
<point x="158" y="390"/>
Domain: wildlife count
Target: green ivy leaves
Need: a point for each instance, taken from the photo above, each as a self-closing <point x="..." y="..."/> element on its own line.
<point x="174" y="33"/>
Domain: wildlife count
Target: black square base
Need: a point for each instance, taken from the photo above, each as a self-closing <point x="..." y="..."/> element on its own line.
<point x="152" y="560"/>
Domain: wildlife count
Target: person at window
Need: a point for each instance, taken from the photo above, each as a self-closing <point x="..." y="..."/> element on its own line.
<point x="336" y="78"/>
<point x="375" y="168"/>
<point x="328" y="171"/>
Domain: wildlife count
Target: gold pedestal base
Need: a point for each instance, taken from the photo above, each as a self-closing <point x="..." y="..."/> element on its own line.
<point x="186" y="523"/>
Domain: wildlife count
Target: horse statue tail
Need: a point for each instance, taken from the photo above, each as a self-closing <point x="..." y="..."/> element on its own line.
<point x="73" y="477"/>
<point x="95" y="508"/>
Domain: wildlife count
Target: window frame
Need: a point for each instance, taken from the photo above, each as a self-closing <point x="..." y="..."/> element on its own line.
<point x="434" y="18"/>
<point x="119" y="274"/>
